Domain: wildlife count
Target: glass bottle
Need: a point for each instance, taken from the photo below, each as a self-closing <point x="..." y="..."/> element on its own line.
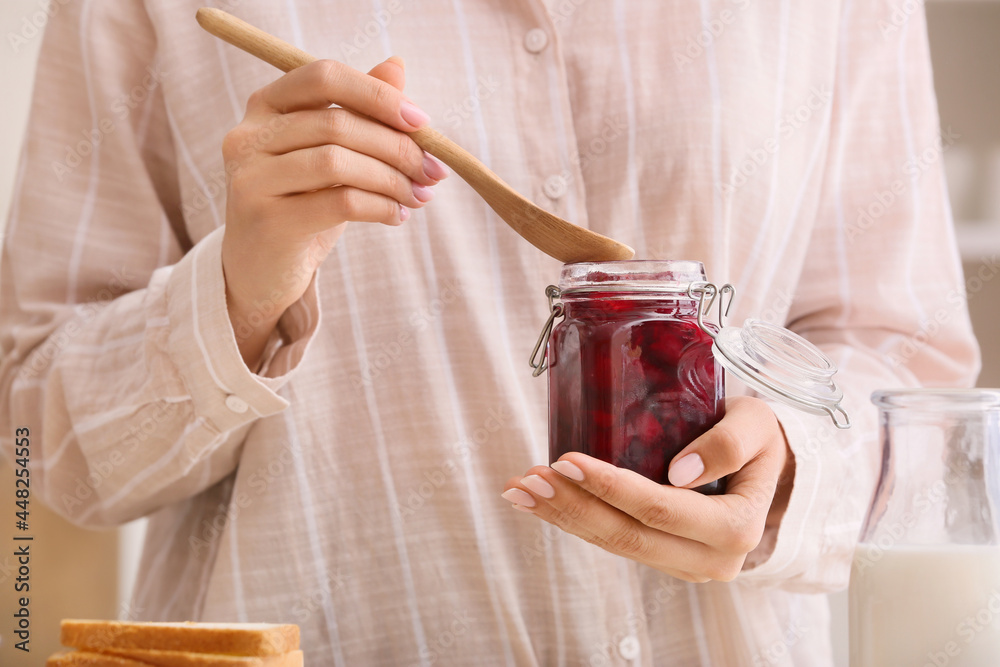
<point x="925" y="581"/>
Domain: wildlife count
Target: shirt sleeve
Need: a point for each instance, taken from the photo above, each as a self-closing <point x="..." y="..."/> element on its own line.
<point x="118" y="352"/>
<point x="882" y="292"/>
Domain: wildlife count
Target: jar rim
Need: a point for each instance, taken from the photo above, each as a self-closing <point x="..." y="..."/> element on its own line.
<point x="937" y="399"/>
<point x="667" y="275"/>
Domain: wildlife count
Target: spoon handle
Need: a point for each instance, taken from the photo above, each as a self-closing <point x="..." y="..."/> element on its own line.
<point x="252" y="39"/>
<point x="287" y="57"/>
<point x="552" y="235"/>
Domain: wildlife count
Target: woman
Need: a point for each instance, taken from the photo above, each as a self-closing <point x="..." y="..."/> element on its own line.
<point x="343" y="474"/>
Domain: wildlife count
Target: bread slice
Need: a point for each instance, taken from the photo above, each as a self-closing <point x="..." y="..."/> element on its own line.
<point x="188" y="659"/>
<point x="88" y="659"/>
<point x="234" y="639"/>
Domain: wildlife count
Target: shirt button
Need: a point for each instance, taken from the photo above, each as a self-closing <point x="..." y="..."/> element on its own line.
<point x="555" y="186"/>
<point x="536" y="40"/>
<point x="629" y="647"/>
<point x="236" y="404"/>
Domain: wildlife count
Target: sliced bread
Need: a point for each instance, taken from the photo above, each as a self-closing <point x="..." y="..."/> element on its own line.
<point x="188" y="659"/>
<point x="234" y="639"/>
<point x="89" y="659"/>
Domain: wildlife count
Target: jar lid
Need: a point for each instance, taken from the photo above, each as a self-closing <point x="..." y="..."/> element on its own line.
<point x="634" y="275"/>
<point x="781" y="365"/>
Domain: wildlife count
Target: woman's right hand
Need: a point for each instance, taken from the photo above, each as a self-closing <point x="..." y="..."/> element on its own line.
<point x="298" y="170"/>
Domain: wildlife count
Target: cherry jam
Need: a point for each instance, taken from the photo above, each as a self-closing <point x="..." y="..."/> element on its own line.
<point x="632" y="378"/>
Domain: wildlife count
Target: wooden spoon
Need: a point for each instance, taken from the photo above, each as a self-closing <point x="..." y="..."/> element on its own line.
<point x="550" y="234"/>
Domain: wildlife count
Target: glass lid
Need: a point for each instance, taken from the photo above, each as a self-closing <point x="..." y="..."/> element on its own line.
<point x="781" y="365"/>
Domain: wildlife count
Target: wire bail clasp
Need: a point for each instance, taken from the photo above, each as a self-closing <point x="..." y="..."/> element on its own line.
<point x="702" y="291"/>
<point x="540" y="353"/>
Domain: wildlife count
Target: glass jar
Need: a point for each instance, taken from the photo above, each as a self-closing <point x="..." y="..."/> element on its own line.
<point x="925" y="581"/>
<point x="632" y="378"/>
<point x="636" y="373"/>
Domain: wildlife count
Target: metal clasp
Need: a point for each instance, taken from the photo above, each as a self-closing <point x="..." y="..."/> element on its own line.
<point x="846" y="424"/>
<point x="700" y="291"/>
<point x="537" y="360"/>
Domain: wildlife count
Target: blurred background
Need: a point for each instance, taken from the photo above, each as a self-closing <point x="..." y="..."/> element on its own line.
<point x="87" y="574"/>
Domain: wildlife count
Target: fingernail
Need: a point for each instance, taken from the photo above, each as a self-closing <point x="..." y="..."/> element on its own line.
<point x="413" y="114"/>
<point x="433" y="168"/>
<point x="422" y="193"/>
<point x="568" y="469"/>
<point x="539" y="486"/>
<point x="404" y="214"/>
<point x="518" y="497"/>
<point x="686" y="470"/>
<point x="522" y="508"/>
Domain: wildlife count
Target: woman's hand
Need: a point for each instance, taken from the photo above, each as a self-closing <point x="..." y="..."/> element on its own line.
<point x="298" y="170"/>
<point x="679" y="531"/>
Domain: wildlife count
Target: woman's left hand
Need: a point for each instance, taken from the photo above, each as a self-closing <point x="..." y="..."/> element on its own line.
<point x="673" y="528"/>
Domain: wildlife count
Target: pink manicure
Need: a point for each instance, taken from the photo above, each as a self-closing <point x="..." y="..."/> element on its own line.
<point x="686" y="470"/>
<point x="539" y="486"/>
<point x="433" y="168"/>
<point x="568" y="469"/>
<point x="518" y="497"/>
<point x="413" y="114"/>
<point x="422" y="193"/>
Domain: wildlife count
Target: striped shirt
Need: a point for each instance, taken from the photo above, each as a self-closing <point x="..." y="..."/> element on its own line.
<point x="352" y="484"/>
